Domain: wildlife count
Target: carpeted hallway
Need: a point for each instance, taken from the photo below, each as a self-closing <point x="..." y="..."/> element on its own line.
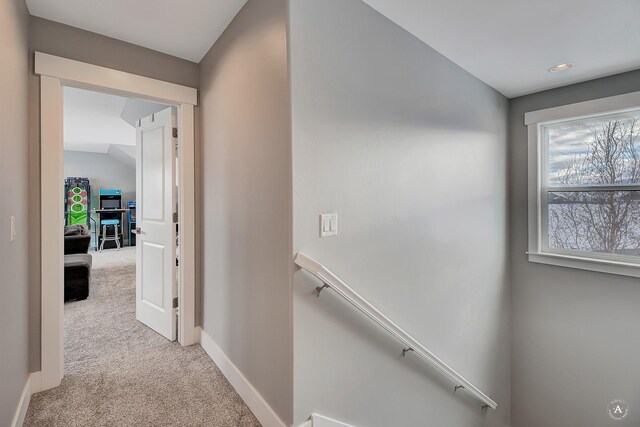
<point x="119" y="372"/>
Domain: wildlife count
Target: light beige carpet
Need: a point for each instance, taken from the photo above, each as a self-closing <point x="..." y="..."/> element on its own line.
<point x="114" y="258"/>
<point x="119" y="372"/>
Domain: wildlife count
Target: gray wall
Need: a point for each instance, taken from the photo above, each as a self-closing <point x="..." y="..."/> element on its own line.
<point x="246" y="191"/>
<point x="104" y="172"/>
<point x="14" y="184"/>
<point x="61" y="40"/>
<point x="410" y="151"/>
<point x="575" y="333"/>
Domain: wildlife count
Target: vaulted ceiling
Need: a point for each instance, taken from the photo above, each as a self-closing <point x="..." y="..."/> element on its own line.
<point x="99" y="122"/>
<point x="92" y="121"/>
<point x="509" y="44"/>
<point x="186" y="29"/>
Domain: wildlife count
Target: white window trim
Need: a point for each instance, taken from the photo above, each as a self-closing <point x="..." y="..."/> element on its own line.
<point x="536" y="155"/>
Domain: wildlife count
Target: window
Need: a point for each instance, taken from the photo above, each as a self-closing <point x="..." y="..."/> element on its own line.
<point x="584" y="185"/>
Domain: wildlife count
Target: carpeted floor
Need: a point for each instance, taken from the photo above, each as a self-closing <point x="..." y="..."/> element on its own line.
<point x="119" y="372"/>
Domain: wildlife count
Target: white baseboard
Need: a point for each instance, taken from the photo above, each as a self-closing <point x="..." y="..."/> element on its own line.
<point x="316" y="420"/>
<point x="260" y="408"/>
<point x="321" y="421"/>
<point x="35" y="382"/>
<point x="32" y="385"/>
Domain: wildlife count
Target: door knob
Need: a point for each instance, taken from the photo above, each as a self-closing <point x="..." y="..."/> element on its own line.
<point x="138" y="230"/>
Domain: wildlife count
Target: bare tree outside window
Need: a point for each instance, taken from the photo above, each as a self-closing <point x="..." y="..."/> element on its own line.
<point x="603" y="220"/>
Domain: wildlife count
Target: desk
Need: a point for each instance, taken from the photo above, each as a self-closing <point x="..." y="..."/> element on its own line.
<point x="111" y="213"/>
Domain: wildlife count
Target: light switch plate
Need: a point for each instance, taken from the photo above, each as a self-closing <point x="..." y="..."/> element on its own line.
<point x="12" y="232"/>
<point x="328" y="225"/>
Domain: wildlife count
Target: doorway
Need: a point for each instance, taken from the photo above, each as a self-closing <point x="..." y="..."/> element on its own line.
<point x="114" y="148"/>
<point x="56" y="74"/>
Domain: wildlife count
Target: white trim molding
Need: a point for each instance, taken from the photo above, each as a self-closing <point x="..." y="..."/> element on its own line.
<point x="31" y="386"/>
<point x="538" y="186"/>
<point x="51" y="236"/>
<point x="186" y="230"/>
<point x="254" y="400"/>
<point x="35" y="381"/>
<point x="81" y="74"/>
<point x="316" y="420"/>
<point x="587" y="108"/>
<point x="56" y="73"/>
<point x="23" y="405"/>
<point x="584" y="263"/>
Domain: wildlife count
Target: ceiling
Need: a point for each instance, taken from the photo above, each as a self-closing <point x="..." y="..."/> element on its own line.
<point x="135" y="109"/>
<point x="92" y="121"/>
<point x="510" y="44"/>
<point x="186" y="29"/>
<point x="101" y="123"/>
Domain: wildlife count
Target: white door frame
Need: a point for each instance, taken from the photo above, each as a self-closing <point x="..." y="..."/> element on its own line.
<point x="55" y="73"/>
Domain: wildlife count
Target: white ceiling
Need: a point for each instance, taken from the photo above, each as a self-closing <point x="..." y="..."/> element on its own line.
<point x="92" y="121"/>
<point x="135" y="109"/>
<point x="186" y="29"/>
<point x="97" y="122"/>
<point x="510" y="44"/>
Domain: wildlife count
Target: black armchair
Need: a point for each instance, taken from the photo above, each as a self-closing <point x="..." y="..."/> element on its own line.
<point x="77" y="239"/>
<point x="77" y="262"/>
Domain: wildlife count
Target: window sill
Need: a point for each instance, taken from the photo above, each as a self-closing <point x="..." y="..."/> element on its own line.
<point x="592" y="264"/>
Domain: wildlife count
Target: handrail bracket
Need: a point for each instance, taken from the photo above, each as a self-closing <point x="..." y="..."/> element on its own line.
<point x="320" y="288"/>
<point x="409" y="343"/>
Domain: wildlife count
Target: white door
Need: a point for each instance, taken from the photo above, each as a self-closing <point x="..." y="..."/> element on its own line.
<point x="155" y="227"/>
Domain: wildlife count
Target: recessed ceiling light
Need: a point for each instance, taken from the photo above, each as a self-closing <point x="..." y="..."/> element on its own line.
<point x="560" y="67"/>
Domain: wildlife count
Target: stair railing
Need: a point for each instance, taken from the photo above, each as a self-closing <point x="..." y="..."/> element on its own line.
<point x="331" y="281"/>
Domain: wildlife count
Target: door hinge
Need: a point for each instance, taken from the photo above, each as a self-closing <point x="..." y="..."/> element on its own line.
<point x="175" y="302"/>
<point x="175" y="217"/>
<point x="175" y="132"/>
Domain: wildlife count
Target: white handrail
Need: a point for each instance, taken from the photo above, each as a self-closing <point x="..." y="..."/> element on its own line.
<point x="330" y="280"/>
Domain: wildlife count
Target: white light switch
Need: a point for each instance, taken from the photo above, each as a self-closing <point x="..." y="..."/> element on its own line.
<point x="13" y="228"/>
<point x="328" y="225"/>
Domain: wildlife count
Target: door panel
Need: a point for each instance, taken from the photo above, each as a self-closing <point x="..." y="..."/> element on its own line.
<point x="152" y="267"/>
<point x="156" y="236"/>
<point x="152" y="188"/>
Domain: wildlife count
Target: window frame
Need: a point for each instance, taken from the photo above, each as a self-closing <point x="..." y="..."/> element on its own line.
<point x="538" y="186"/>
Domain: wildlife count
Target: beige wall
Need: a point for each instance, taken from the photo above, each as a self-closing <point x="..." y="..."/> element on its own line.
<point x="14" y="182"/>
<point x="61" y="40"/>
<point x="246" y="191"/>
